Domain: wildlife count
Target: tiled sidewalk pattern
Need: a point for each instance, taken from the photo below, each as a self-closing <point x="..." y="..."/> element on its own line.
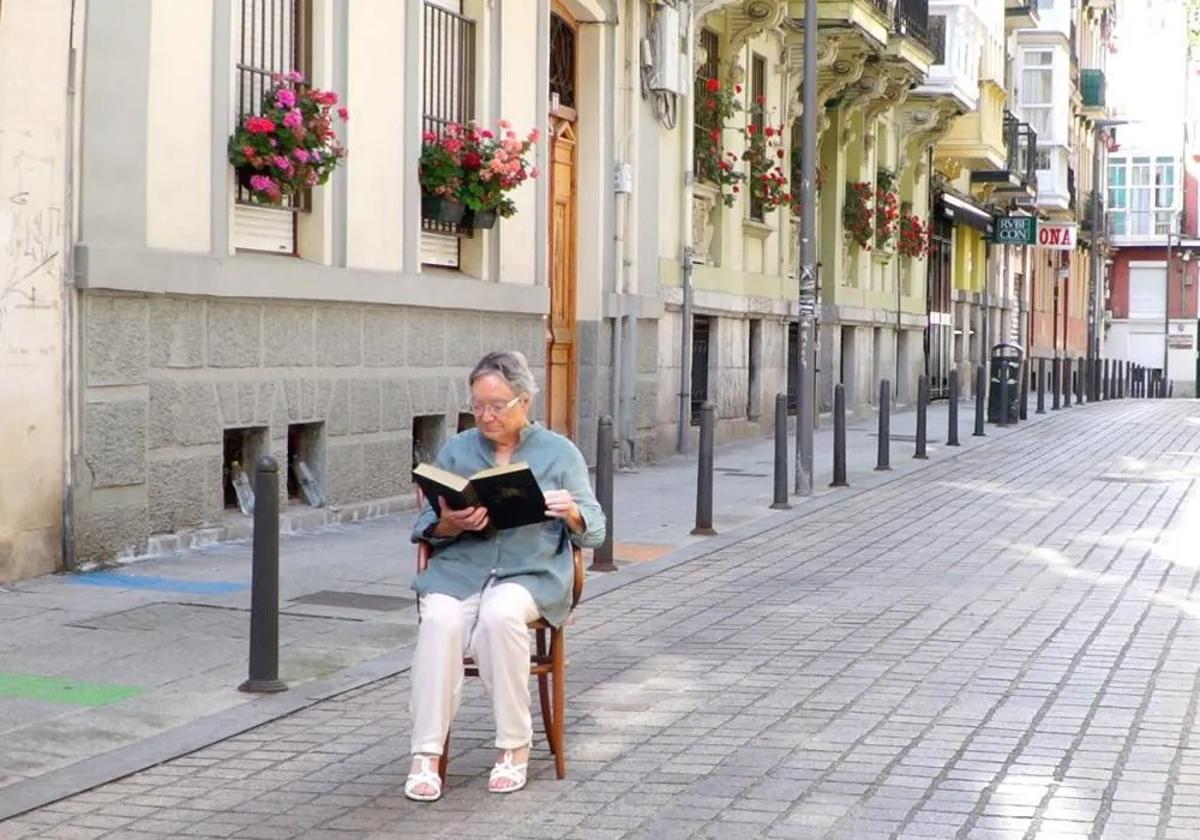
<point x="1000" y="646"/>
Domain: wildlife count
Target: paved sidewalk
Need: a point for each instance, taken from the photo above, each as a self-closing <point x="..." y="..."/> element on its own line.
<point x="1001" y="645"/>
<point x="105" y="673"/>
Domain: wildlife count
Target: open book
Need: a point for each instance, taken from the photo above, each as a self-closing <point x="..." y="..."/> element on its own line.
<point x="511" y="493"/>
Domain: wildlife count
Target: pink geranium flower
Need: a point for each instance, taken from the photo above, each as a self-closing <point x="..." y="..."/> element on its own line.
<point x="285" y="98"/>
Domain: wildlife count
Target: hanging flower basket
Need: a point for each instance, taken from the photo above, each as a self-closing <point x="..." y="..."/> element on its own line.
<point x="290" y="146"/>
<point x="439" y="208"/>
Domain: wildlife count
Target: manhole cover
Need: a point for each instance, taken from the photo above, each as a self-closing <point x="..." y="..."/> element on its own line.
<point x="354" y="600"/>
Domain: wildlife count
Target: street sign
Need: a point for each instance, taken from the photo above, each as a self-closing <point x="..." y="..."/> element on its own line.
<point x="1014" y="230"/>
<point x="1056" y="236"/>
<point x="1180" y="342"/>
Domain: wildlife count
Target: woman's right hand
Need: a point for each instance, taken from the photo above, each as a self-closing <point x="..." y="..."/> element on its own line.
<point x="455" y="522"/>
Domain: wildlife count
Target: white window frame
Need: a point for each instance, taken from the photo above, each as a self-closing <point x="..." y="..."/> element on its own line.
<point x="1029" y="110"/>
<point x="1149" y="218"/>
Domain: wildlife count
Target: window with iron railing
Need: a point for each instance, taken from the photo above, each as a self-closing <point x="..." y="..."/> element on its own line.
<point x="758" y="118"/>
<point x="912" y="19"/>
<point x="275" y="39"/>
<point x="705" y="122"/>
<point x="447" y="96"/>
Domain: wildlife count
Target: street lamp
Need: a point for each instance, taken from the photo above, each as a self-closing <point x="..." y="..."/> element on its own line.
<point x="1099" y="226"/>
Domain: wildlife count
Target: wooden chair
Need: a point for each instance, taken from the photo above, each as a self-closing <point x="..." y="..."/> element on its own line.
<point x="548" y="663"/>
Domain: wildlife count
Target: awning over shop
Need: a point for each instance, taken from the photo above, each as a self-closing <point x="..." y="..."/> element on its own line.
<point x="962" y="212"/>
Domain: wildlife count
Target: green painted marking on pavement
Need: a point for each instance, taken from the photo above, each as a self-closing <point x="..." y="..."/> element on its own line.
<point x="56" y="690"/>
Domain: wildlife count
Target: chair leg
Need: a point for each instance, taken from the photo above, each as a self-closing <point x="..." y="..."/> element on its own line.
<point x="444" y="759"/>
<point x="544" y="691"/>
<point x="558" y="658"/>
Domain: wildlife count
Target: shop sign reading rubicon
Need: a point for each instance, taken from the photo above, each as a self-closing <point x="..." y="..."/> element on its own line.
<point x="1026" y="230"/>
<point x="1014" y="230"/>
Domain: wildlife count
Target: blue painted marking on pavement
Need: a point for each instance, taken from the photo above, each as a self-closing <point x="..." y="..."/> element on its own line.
<point x="114" y="580"/>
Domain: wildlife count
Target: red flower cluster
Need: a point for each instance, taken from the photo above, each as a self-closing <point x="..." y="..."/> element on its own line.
<point x="718" y="104"/>
<point x="477" y="167"/>
<point x="887" y="210"/>
<point x="914" y="236"/>
<point x="768" y="184"/>
<point x="858" y="213"/>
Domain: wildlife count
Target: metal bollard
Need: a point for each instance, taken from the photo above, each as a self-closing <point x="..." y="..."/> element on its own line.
<point x="1004" y="416"/>
<point x="1068" y="383"/>
<point x="602" y="557"/>
<point x="1085" y="381"/>
<point x="704" y="474"/>
<point x="1041" y="386"/>
<point x="884" y="455"/>
<point x="1056" y="384"/>
<point x="1080" y="383"/>
<point x="1023" y="405"/>
<point x="839" y="436"/>
<point x="780" y="501"/>
<point x="980" y="399"/>
<point x="952" y="411"/>
<point x="264" y="585"/>
<point x="922" y="411"/>
<point x="1104" y="383"/>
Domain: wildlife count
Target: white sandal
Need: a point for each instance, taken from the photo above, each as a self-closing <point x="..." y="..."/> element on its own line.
<point x="425" y="776"/>
<point x="506" y="770"/>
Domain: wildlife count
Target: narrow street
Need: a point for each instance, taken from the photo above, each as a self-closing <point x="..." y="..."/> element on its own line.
<point x="999" y="646"/>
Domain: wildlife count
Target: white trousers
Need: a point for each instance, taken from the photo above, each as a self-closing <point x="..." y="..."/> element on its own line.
<point x="493" y="628"/>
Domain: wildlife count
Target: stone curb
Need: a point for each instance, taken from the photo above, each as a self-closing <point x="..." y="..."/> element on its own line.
<point x="28" y="795"/>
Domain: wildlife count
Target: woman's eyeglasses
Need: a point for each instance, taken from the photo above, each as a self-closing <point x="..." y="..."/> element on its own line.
<point x="493" y="408"/>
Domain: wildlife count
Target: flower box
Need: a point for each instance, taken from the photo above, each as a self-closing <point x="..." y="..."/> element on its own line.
<point x="438" y="208"/>
<point x="479" y="219"/>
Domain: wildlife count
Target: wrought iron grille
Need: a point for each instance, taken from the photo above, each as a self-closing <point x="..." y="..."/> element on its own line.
<point x="912" y="19"/>
<point x="1012" y="142"/>
<point x="449" y="79"/>
<point x="562" y="61"/>
<point x="276" y="37"/>
<point x="1027" y="138"/>
<point x="758" y="90"/>
<point x="705" y="122"/>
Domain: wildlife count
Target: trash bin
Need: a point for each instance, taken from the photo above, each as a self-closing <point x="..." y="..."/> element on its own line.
<point x="1005" y="376"/>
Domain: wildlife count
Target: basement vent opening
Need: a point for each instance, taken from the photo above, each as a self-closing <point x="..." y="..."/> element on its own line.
<point x="241" y="450"/>
<point x="306" y="463"/>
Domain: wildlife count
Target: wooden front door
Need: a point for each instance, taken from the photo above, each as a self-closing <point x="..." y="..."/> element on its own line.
<point x="562" y="332"/>
<point x="561" y="349"/>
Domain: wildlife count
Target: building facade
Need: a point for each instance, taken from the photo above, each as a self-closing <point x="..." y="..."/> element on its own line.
<point x="35" y="318"/>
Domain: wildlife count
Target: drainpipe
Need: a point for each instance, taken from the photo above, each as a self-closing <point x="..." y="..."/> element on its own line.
<point x="70" y="306"/>
<point x="618" y="352"/>
<point x="628" y="265"/>
<point x="687" y="118"/>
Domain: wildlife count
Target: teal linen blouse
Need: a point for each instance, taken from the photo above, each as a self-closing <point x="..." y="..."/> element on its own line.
<point x="537" y="557"/>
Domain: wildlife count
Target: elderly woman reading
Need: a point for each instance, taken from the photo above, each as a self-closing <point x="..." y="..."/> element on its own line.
<point x="483" y="586"/>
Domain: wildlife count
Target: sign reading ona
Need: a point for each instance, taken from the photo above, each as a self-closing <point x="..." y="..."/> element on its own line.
<point x="1056" y="236"/>
<point x="1014" y="230"/>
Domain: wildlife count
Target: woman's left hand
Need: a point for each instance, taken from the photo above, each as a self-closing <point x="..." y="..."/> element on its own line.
<point x="560" y="505"/>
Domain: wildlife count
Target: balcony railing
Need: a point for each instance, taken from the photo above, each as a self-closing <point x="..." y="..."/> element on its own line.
<point x="883" y="6"/>
<point x="912" y="19"/>
<point x="1091" y="84"/>
<point x="1071" y="187"/>
<point x="1027" y="142"/>
<point x="1087" y="213"/>
<point x="1013" y="8"/>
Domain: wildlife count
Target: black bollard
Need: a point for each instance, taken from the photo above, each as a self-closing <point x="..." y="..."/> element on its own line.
<point x="780" y="502"/>
<point x="952" y="411"/>
<point x="1023" y="405"/>
<point x="1068" y="383"/>
<point x="264" y="585"/>
<point x="922" y="410"/>
<point x="602" y="557"/>
<point x="884" y="456"/>
<point x="1004" y="387"/>
<point x="1056" y="384"/>
<point x="704" y="474"/>
<point x="1080" y="383"/>
<point x="980" y="399"/>
<point x="839" y="436"/>
<point x="1041" y="386"/>
<point x="1104" y="383"/>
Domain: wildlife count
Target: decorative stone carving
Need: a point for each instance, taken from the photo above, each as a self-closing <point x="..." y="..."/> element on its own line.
<point x="704" y="218"/>
<point x="923" y="121"/>
<point x="749" y="20"/>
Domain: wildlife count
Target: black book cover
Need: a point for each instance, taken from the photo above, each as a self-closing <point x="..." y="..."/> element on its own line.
<point x="511" y="493"/>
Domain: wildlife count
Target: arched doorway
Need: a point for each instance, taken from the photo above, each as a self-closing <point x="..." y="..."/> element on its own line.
<point x="562" y="330"/>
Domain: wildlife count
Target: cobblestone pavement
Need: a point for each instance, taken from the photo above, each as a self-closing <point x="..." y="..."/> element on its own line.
<point x="1000" y="646"/>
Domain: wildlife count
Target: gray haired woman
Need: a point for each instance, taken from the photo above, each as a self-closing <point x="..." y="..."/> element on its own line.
<point x="479" y="593"/>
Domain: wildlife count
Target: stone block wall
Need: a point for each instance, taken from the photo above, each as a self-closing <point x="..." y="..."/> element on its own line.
<point x="165" y="377"/>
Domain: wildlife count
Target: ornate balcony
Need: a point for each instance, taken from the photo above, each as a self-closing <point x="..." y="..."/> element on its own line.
<point x="1019" y="172"/>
